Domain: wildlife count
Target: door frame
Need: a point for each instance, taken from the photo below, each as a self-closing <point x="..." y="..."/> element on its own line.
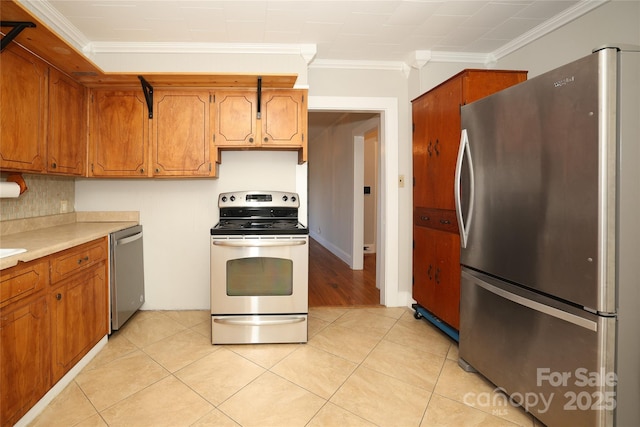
<point x="387" y="273"/>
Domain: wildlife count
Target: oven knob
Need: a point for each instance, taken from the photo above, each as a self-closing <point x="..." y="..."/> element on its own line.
<point x="285" y="198"/>
<point x="224" y="198"/>
<point x="293" y="198"/>
<point x="233" y="198"/>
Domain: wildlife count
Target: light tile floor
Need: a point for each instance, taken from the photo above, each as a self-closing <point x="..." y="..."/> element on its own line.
<point x="361" y="367"/>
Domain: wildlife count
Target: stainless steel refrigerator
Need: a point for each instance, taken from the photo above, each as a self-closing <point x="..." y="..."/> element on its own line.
<point x="548" y="202"/>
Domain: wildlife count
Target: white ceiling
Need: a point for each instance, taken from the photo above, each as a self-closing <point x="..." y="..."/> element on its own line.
<point x="401" y="31"/>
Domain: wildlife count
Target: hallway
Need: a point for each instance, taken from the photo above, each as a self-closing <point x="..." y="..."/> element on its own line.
<point x="333" y="284"/>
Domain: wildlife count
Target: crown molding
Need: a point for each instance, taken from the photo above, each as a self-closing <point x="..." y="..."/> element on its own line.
<point x="56" y="21"/>
<point x="548" y="26"/>
<point x="307" y="51"/>
<point x="61" y="25"/>
<point x="347" y="64"/>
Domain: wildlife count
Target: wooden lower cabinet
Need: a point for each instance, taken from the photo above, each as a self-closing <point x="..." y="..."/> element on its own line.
<point x="25" y="357"/>
<point x="52" y="312"/>
<point x="78" y="318"/>
<point x="436" y="273"/>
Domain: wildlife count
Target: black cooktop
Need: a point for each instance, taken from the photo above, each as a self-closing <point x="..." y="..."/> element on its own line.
<point x="258" y="227"/>
<point x="246" y="213"/>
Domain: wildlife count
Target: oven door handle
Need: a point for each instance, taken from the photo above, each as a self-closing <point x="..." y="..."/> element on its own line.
<point x="258" y="243"/>
<point x="248" y="321"/>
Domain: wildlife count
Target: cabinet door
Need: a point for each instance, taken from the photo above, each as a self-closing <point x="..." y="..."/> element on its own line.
<point x="119" y="134"/>
<point x="23" y="124"/>
<point x="423" y="268"/>
<point x="181" y="139"/>
<point x="442" y="146"/>
<point x="420" y="118"/>
<point x="25" y="357"/>
<point x="436" y="273"/>
<point x="446" y="278"/>
<point x="79" y="318"/>
<point x="66" y="145"/>
<point x="234" y="118"/>
<point x="284" y="118"/>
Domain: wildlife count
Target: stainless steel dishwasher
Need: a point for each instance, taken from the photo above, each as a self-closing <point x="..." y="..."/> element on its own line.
<point x="126" y="274"/>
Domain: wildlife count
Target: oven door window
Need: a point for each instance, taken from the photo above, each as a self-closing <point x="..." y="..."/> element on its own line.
<point x="259" y="276"/>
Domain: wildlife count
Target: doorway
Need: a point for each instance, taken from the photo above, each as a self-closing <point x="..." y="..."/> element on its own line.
<point x="387" y="215"/>
<point x="343" y="194"/>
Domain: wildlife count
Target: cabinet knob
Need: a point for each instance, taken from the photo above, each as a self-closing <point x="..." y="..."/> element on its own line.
<point x="445" y="221"/>
<point x="250" y="139"/>
<point x="157" y="170"/>
<point x="429" y="272"/>
<point x="266" y="139"/>
<point x="141" y="170"/>
<point x="83" y="259"/>
<point x="436" y="147"/>
<point x="429" y="149"/>
<point x="58" y="297"/>
<point x="54" y="165"/>
<point x="425" y="218"/>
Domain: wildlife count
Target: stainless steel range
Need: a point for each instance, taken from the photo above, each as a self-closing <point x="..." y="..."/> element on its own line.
<point x="259" y="269"/>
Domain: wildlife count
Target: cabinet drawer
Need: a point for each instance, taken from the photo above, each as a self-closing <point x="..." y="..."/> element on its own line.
<point x="22" y="280"/>
<point x="439" y="219"/>
<point x="79" y="258"/>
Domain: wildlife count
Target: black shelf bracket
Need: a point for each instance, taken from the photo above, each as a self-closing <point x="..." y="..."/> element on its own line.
<point x="259" y="114"/>
<point x="147" y="89"/>
<point x="18" y="26"/>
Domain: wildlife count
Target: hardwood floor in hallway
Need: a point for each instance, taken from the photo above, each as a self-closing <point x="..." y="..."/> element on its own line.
<point x="332" y="283"/>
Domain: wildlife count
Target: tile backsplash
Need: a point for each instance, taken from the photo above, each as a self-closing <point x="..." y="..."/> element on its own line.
<point x="45" y="195"/>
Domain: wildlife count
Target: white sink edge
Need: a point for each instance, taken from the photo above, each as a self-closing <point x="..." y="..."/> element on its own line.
<point x="7" y="252"/>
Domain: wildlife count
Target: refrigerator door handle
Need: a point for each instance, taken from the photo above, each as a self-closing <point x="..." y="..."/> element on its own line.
<point x="463" y="151"/>
<point x="534" y="305"/>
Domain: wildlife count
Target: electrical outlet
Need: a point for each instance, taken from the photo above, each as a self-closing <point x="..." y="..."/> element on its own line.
<point x="400" y="181"/>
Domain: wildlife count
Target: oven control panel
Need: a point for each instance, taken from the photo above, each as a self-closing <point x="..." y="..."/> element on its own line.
<point x="258" y="199"/>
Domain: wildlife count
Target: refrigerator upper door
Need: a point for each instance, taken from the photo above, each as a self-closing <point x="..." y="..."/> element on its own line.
<point x="540" y="168"/>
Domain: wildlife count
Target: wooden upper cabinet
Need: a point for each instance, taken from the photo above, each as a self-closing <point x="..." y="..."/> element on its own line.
<point x="234" y="118"/>
<point x="280" y="124"/>
<point x="23" y="120"/>
<point x="182" y="143"/>
<point x="67" y="143"/>
<point x="284" y="117"/>
<point x="436" y="131"/>
<point x="118" y="134"/>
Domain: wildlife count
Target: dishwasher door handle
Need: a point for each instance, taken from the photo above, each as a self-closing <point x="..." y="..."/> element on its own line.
<point x="128" y="239"/>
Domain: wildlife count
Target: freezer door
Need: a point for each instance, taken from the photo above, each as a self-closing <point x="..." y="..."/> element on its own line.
<point x="555" y="360"/>
<point x="541" y="163"/>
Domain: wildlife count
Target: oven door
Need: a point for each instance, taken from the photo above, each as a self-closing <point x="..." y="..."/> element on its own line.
<point x="253" y="275"/>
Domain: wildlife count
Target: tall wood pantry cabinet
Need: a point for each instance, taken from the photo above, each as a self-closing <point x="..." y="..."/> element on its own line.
<point x="436" y="137"/>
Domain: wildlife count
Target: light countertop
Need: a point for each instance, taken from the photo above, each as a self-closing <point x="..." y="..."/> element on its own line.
<point x="44" y="236"/>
